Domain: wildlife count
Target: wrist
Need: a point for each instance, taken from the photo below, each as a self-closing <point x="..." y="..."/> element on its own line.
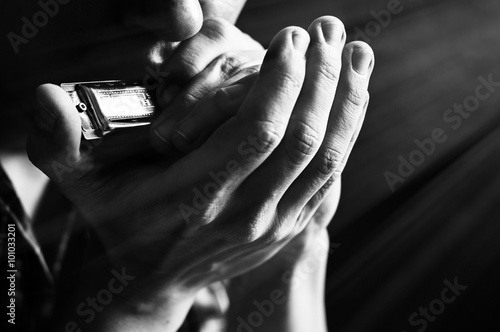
<point x="291" y="298"/>
<point x="296" y="266"/>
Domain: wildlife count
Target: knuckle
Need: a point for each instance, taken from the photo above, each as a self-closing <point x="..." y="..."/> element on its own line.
<point x="246" y="234"/>
<point x="205" y="217"/>
<point x="288" y="70"/>
<point x="356" y="98"/>
<point x="261" y="219"/>
<point x="305" y="140"/>
<point x="329" y="162"/>
<point x="328" y="70"/>
<point x="256" y="228"/>
<point x="323" y="191"/>
<point x="269" y="135"/>
<point x="230" y="64"/>
<point x="201" y="213"/>
<point x="272" y="237"/>
<point x="216" y="29"/>
<point x="289" y="79"/>
<point x="190" y="66"/>
<point x="289" y="73"/>
<point x="280" y="230"/>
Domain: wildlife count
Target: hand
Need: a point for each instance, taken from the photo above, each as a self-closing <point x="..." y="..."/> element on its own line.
<point x="218" y="55"/>
<point x="310" y="245"/>
<point x="179" y="224"/>
<point x="352" y="97"/>
<point x="218" y="106"/>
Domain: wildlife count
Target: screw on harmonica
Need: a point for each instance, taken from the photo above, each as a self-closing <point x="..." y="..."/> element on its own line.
<point x="81" y="107"/>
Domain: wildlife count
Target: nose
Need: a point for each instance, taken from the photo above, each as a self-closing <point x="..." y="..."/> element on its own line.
<point x="172" y="20"/>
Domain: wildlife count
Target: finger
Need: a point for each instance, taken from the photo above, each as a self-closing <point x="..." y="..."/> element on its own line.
<point x="325" y="199"/>
<point x="54" y="142"/>
<point x="215" y="38"/>
<point x="207" y="116"/>
<point x="223" y="71"/>
<point x="210" y="113"/>
<point x="356" y="132"/>
<point x="332" y="186"/>
<point x="242" y="143"/>
<point x="200" y="94"/>
<point x="213" y="47"/>
<point x="307" y="124"/>
<point x="177" y="102"/>
<point x="343" y="127"/>
<point x="333" y="183"/>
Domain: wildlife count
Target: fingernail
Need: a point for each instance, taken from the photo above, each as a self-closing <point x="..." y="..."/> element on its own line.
<point x="163" y="133"/>
<point x="44" y="118"/>
<point x="300" y="41"/>
<point x="361" y="60"/>
<point x="186" y="131"/>
<point x="234" y="92"/>
<point x="332" y="32"/>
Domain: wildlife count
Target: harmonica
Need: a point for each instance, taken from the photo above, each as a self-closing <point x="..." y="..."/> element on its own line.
<point x="106" y="106"/>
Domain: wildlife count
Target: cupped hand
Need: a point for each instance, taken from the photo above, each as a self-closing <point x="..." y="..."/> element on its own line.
<point x="218" y="106"/>
<point x="185" y="222"/>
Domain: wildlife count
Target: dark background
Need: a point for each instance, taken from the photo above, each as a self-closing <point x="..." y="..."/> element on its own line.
<point x="396" y="247"/>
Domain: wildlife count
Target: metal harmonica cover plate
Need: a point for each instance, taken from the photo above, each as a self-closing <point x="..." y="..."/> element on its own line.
<point x="105" y="106"/>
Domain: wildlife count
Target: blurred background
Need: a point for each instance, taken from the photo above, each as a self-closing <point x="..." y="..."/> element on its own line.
<point x="411" y="216"/>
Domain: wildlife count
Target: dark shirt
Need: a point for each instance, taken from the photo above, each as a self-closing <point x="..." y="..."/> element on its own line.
<point x="30" y="285"/>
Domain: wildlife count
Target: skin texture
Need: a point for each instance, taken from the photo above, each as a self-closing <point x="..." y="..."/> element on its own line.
<point x="268" y="159"/>
<point x="298" y="312"/>
<point x="175" y="20"/>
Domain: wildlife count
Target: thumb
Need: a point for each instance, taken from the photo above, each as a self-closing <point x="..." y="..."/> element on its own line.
<point x="54" y="142"/>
